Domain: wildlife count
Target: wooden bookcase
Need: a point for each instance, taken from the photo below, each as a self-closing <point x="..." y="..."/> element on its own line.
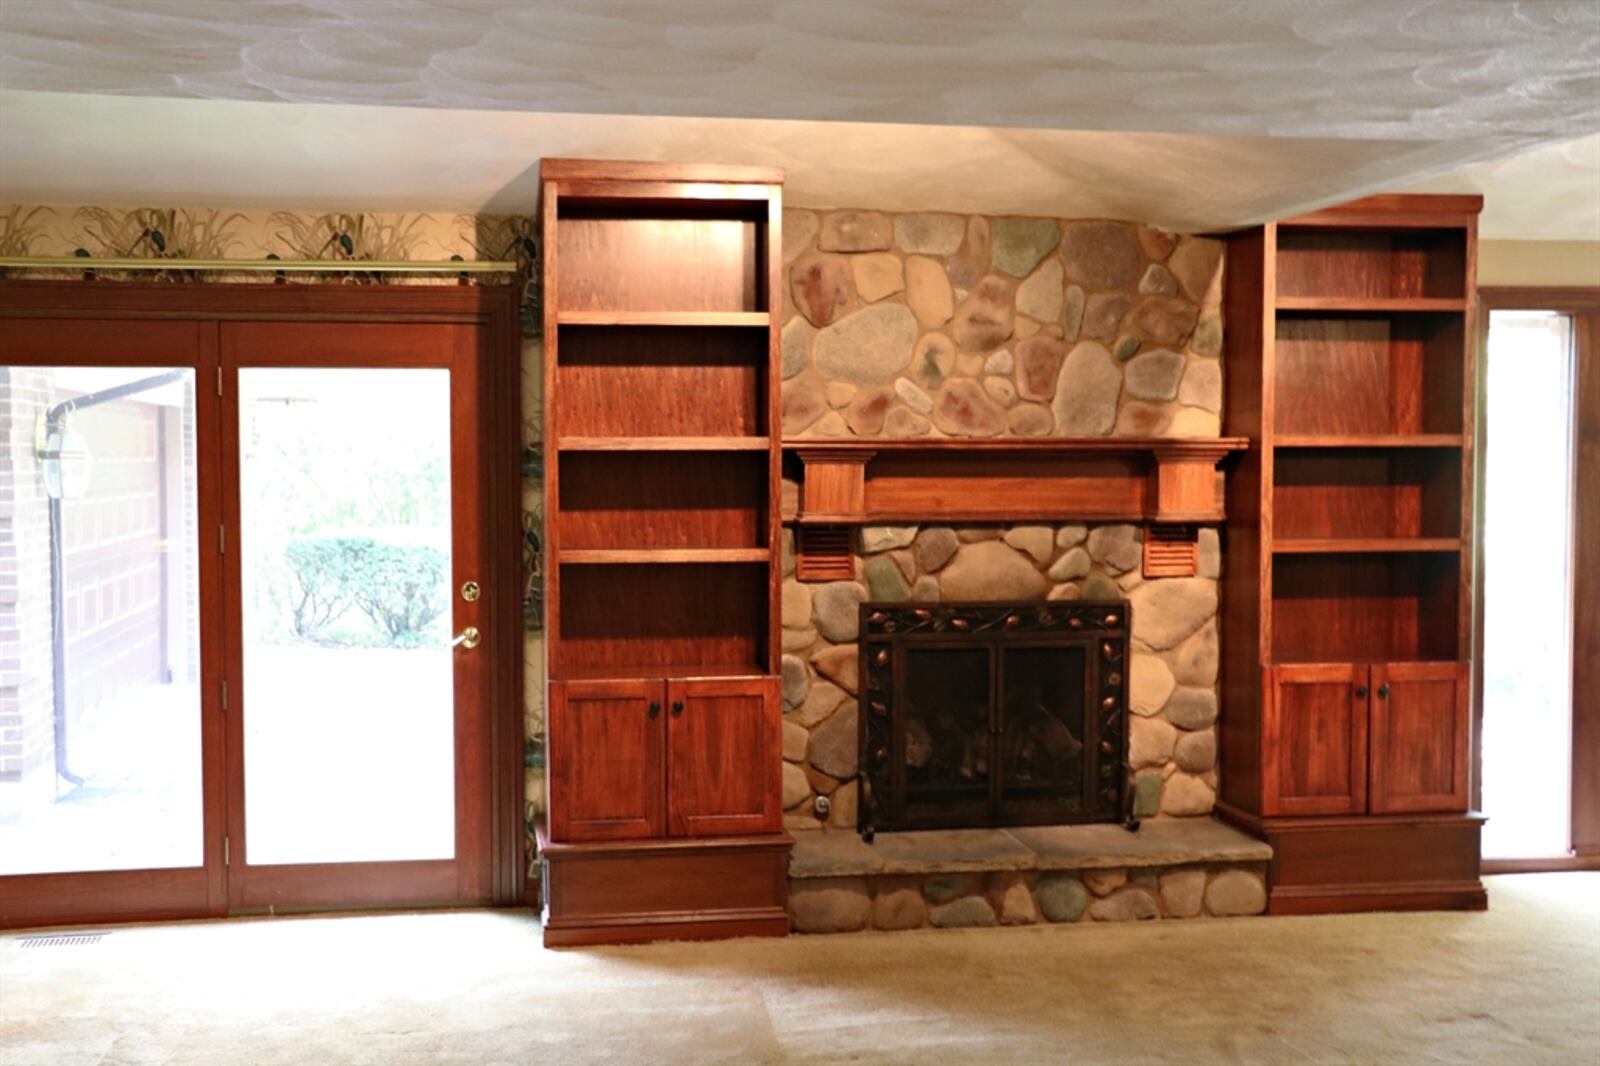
<point x="1345" y="731"/>
<point x="661" y="285"/>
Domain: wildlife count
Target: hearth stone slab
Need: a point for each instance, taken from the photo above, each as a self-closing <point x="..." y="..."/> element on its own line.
<point x="1159" y="842"/>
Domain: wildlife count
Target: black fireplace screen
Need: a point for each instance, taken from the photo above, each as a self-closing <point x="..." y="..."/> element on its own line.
<point x="993" y="714"/>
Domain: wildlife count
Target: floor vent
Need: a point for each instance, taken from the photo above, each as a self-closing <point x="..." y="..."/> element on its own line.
<point x="60" y="941"/>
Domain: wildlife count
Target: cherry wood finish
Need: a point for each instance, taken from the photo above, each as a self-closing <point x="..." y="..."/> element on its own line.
<point x="1350" y="543"/>
<point x="1315" y="734"/>
<point x="144" y="323"/>
<point x="662" y="535"/>
<point x="724" y="753"/>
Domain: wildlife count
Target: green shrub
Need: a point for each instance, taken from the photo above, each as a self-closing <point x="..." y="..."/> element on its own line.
<point x="397" y="581"/>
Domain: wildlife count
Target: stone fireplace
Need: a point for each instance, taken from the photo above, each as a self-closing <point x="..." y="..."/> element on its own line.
<point x="992" y="714"/>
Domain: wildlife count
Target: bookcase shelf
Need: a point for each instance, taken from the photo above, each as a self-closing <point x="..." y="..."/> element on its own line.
<point x="704" y="319"/>
<point x="664" y="444"/>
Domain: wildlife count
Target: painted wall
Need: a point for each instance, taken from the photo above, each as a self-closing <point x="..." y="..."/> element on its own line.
<point x="1539" y="263"/>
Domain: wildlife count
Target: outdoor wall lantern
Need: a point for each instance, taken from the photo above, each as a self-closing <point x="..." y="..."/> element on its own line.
<point x="64" y="463"/>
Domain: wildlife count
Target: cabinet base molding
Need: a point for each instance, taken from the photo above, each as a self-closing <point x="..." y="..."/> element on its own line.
<point x="634" y="891"/>
<point x="1369" y="862"/>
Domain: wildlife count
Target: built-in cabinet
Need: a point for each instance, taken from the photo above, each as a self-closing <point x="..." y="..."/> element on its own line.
<point x="661" y="538"/>
<point x="1346" y="603"/>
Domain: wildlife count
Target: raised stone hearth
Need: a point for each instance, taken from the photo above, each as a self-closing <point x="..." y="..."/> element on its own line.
<point x="1170" y="868"/>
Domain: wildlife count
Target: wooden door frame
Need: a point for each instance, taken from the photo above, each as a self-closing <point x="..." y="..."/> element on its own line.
<point x="495" y="311"/>
<point x="1585" y="800"/>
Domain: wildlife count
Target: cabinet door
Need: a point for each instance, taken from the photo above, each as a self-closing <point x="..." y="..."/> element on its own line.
<point x="724" y="757"/>
<point x="1419" y="737"/>
<point x="1314" y="744"/>
<point x="606" y="760"/>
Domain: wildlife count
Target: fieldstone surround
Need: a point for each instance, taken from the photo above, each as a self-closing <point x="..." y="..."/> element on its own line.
<point x="1173" y="650"/>
<point x="1171" y="868"/>
<point x="911" y="325"/>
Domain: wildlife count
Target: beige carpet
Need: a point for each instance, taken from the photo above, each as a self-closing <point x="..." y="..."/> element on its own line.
<point x="1520" y="984"/>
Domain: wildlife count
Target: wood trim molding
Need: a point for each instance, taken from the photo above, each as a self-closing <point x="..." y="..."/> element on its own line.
<point x="556" y="169"/>
<point x="1156" y="481"/>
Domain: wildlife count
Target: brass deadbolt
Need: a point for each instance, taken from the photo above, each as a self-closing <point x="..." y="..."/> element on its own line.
<point x="470" y="591"/>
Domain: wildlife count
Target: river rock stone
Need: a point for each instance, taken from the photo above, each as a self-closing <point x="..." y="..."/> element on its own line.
<point x="830" y="905"/>
<point x="1194" y="662"/>
<point x="1154" y="375"/>
<point x="1104" y="882"/>
<point x="855" y="231"/>
<point x="1016" y="905"/>
<point x="991" y="570"/>
<point x="1140" y="419"/>
<point x="913" y="396"/>
<point x="1147" y="794"/>
<point x="1126" y="347"/>
<point x="822" y="701"/>
<point x="1073" y="321"/>
<point x="831" y="424"/>
<point x="1182" y="892"/>
<point x="1117" y="547"/>
<point x="1157" y="280"/>
<point x="1038" y="365"/>
<point x="885" y="582"/>
<point x="1196" y="752"/>
<point x="934" y="547"/>
<point x="800" y="404"/>
<point x="962" y="409"/>
<point x="795" y="682"/>
<point x="876" y="539"/>
<point x="1164" y="319"/>
<point x="799" y="227"/>
<point x="1019" y="243"/>
<point x="904" y="422"/>
<point x="1031" y="420"/>
<point x="1192" y="708"/>
<point x="1071" y="534"/>
<point x="932" y="360"/>
<point x="1207" y="338"/>
<point x="840" y="393"/>
<point x="899" y="908"/>
<point x="985" y="318"/>
<point x="833" y="743"/>
<point x="869" y="347"/>
<point x="796" y="605"/>
<point x="1040" y="296"/>
<point x="841" y="664"/>
<point x="1101" y="255"/>
<point x="1150" y="742"/>
<point x="1168" y="610"/>
<point x="795" y="739"/>
<point x="929" y="233"/>
<point x="1000" y="390"/>
<point x="1197" y="264"/>
<point x="1130" y="904"/>
<point x="878" y="275"/>
<point x="1103" y="315"/>
<point x="942" y="888"/>
<point x="820" y="285"/>
<point x="928" y="292"/>
<point x="1001" y="362"/>
<point x="867" y="411"/>
<point x="1236" y="892"/>
<point x="1156" y="242"/>
<point x="1086" y="392"/>
<point x="1072" y="565"/>
<point x="834" y="610"/>
<point x="1150" y="684"/>
<point x="796" y="787"/>
<point x="797" y="334"/>
<point x="1037" y="541"/>
<point x="969" y="912"/>
<point x="1061" y="897"/>
<point x="1209" y="551"/>
<point x="1195" y="422"/>
<point x="1100" y="587"/>
<point x="1202" y="385"/>
<point x="1184" y="795"/>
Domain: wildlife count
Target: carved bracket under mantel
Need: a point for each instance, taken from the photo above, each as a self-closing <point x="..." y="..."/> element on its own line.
<point x="1170" y="485"/>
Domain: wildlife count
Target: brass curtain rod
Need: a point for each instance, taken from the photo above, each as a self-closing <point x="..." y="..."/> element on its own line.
<point x="266" y="266"/>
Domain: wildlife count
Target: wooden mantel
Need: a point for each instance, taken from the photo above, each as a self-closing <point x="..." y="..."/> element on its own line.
<point x="1166" y="483"/>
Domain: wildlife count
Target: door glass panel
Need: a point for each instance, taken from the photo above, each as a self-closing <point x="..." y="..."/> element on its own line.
<point x="344" y="480"/>
<point x="1527" y="609"/>
<point x="99" y="620"/>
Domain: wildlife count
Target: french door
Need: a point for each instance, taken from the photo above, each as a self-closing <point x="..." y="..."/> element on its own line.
<point x="252" y="643"/>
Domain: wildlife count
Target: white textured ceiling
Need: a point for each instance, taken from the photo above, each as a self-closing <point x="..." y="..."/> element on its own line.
<point x="1195" y="113"/>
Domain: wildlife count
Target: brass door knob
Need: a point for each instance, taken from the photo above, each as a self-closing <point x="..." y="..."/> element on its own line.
<point x="468" y="638"/>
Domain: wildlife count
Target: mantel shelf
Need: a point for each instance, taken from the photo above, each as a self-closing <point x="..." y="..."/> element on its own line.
<point x="1163" y="481"/>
